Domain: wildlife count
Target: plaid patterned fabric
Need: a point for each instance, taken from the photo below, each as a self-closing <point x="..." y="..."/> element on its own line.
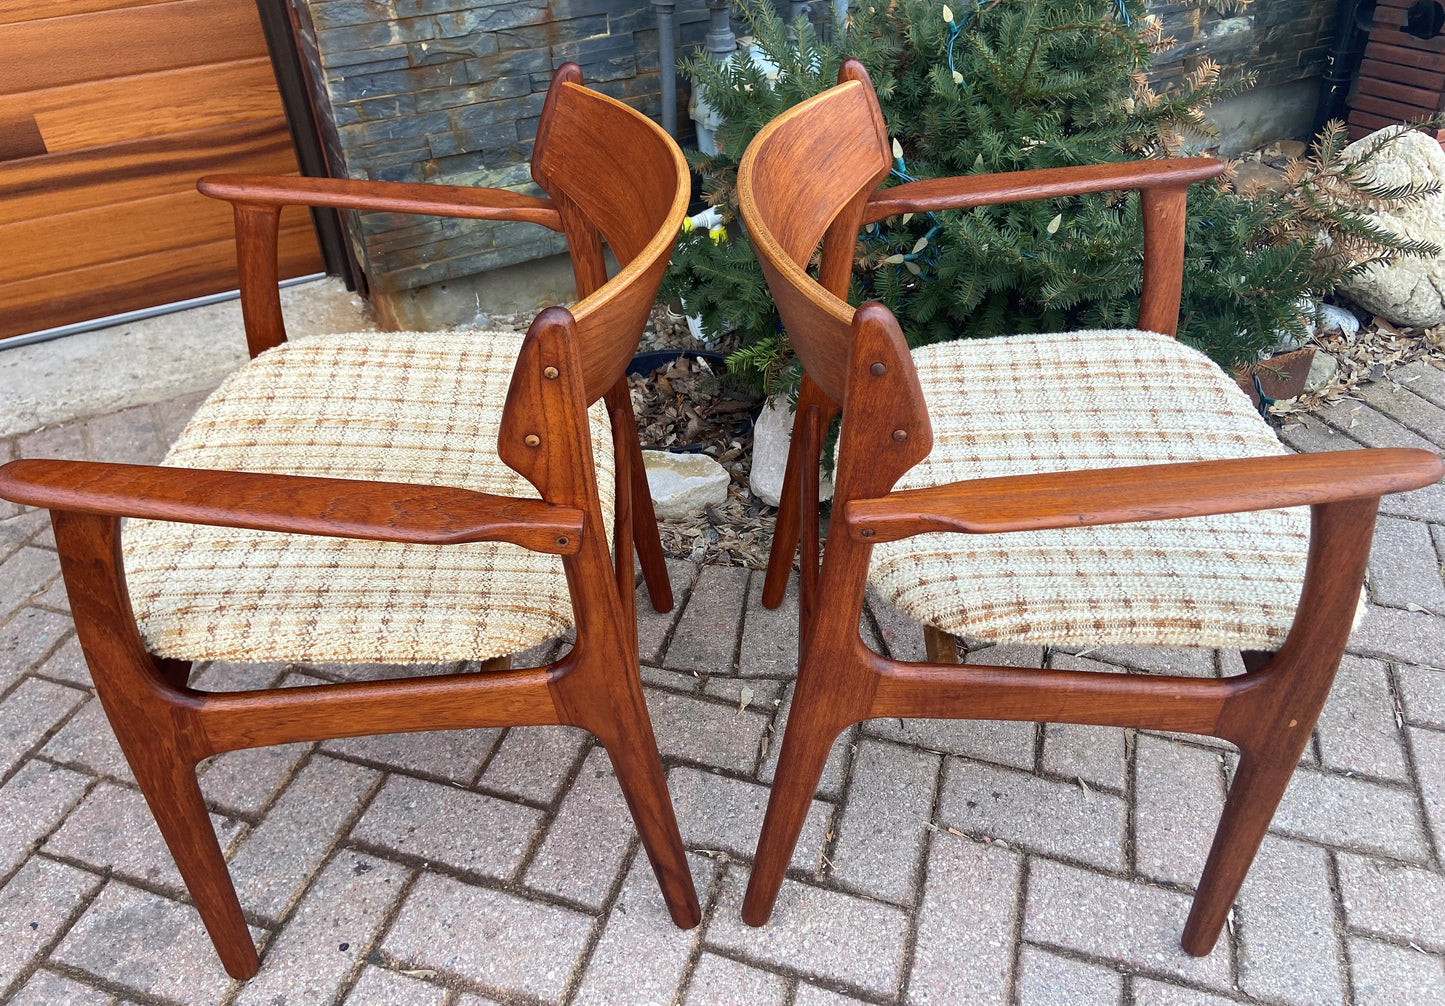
<point x="1044" y="403"/>
<point x="401" y="407"/>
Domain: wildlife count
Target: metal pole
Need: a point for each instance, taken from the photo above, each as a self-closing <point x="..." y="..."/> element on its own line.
<point x="667" y="64"/>
<point x="721" y="42"/>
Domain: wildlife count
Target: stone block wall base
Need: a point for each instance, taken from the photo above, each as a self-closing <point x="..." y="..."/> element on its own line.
<point x="471" y="300"/>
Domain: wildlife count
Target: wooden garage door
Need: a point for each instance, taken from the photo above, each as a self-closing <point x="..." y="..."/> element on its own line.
<point x="109" y="112"/>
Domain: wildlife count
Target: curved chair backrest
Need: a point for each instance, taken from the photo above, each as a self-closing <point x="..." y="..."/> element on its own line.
<point x="806" y="176"/>
<point x="612" y="172"/>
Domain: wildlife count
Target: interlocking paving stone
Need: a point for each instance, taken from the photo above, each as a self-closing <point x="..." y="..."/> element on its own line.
<point x="1396" y="401"/>
<point x="823" y="934"/>
<point x="472" y="933"/>
<point x="1005" y="742"/>
<point x="333" y="928"/>
<point x="830" y="784"/>
<point x="1094" y="754"/>
<point x="1427" y="503"/>
<point x="717" y="981"/>
<point x="114" y="830"/>
<point x="33" y="802"/>
<point x="1172" y="835"/>
<point x="1148" y="992"/>
<point x="53" y="596"/>
<point x="130" y="437"/>
<point x="1288" y="948"/>
<point x="437" y="823"/>
<point x="242" y="782"/>
<point x="88" y="741"/>
<point x="1412" y="637"/>
<point x="28" y="713"/>
<point x="26" y="638"/>
<point x="811" y="995"/>
<point x="1429" y="748"/>
<point x="653" y="626"/>
<point x="1404" y="569"/>
<point x="769" y="647"/>
<point x="1394" y="976"/>
<point x="678" y="681"/>
<point x="722" y="814"/>
<point x="1047" y="980"/>
<point x="1310" y="436"/>
<point x="762" y="694"/>
<point x="902" y="636"/>
<point x="276" y="859"/>
<point x="447" y="754"/>
<point x="1357" y="729"/>
<point x="710" y="732"/>
<point x="1353" y="813"/>
<point x="1422" y="379"/>
<point x="880" y="836"/>
<point x="46" y="989"/>
<point x="705" y="635"/>
<point x="1393" y="900"/>
<point x="26" y="573"/>
<point x="642" y="956"/>
<point x="67" y="663"/>
<point x="584" y="846"/>
<point x="147" y="943"/>
<point x="533" y="761"/>
<point x="970" y="888"/>
<point x="380" y="987"/>
<point x="1371" y="428"/>
<point x="1105" y="917"/>
<point x="63" y="440"/>
<point x="34" y="906"/>
<point x="1189" y="662"/>
<point x="1059" y="819"/>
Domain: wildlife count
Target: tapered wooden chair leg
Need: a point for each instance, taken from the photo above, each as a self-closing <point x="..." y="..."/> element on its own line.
<point x="785" y="530"/>
<point x="638" y="765"/>
<point x="1259" y="783"/>
<point x="806" y="743"/>
<point x="646" y="538"/>
<point x="174" y="796"/>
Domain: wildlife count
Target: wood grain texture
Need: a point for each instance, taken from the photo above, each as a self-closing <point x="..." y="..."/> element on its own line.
<point x="472" y="202"/>
<point x="339" y="508"/>
<point x="1140" y="493"/>
<point x="965" y="191"/>
<point x="98" y="113"/>
<point x="1268" y="712"/>
<point x="133" y="283"/>
<point x="54" y="52"/>
<point x="115" y="232"/>
<point x="139" y="169"/>
<point x="131" y="102"/>
<point x="15" y="11"/>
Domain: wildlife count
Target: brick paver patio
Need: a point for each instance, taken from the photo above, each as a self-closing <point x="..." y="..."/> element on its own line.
<point x="944" y="862"/>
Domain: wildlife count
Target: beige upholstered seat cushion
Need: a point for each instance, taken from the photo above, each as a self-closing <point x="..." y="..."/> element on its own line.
<point x="399" y="407"/>
<point x="1044" y="403"/>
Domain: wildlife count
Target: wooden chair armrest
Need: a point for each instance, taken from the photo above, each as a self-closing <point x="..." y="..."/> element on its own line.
<point x="966" y="191"/>
<point x="382" y="197"/>
<point x="1146" y="492"/>
<point x="338" y="508"/>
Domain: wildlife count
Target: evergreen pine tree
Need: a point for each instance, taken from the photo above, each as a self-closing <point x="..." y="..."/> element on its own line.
<point x="1007" y="85"/>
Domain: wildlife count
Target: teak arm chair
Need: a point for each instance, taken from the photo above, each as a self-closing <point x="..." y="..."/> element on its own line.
<point x="974" y="453"/>
<point x="457" y="528"/>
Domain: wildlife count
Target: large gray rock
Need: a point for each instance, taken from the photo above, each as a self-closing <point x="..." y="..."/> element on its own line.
<point x="1412" y="290"/>
<point x="771" y="437"/>
<point x="684" y="484"/>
